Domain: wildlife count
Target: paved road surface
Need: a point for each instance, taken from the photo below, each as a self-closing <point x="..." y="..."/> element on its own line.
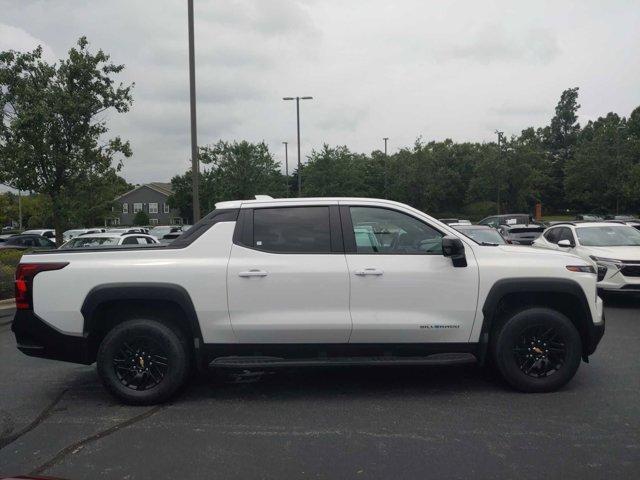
<point x="454" y="422"/>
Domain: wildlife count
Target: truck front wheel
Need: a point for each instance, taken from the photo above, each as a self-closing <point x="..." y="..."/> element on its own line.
<point x="143" y="362"/>
<point x="538" y="350"/>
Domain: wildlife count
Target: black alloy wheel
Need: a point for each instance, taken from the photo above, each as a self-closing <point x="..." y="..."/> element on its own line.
<point x="540" y="351"/>
<point x="537" y="349"/>
<point x="141" y="364"/>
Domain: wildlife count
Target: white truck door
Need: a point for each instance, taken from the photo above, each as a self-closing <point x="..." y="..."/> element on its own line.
<point x="403" y="290"/>
<point x="287" y="277"/>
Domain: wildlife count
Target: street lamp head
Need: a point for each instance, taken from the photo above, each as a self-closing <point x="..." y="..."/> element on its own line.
<point x="385" y="138"/>
<point x="306" y="98"/>
<point x="288" y="98"/>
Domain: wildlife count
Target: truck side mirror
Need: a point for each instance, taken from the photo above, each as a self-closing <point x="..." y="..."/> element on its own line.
<point x="454" y="248"/>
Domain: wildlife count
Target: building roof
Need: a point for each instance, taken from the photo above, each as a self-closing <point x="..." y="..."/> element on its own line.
<point x="160" y="187"/>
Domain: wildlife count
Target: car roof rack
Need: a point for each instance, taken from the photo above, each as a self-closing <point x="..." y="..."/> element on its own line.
<point x="264" y="197"/>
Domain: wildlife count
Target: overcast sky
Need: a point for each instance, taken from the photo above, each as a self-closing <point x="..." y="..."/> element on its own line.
<point x="398" y="69"/>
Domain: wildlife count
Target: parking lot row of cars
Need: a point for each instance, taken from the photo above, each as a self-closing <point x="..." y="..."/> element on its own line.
<point x="612" y="245"/>
<point x="44" y="239"/>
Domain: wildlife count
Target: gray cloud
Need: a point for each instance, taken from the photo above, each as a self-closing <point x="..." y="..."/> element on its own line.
<point x="375" y="68"/>
<point x="494" y="43"/>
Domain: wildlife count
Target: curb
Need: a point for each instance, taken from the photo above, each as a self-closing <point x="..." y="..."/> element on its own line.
<point x="8" y="301"/>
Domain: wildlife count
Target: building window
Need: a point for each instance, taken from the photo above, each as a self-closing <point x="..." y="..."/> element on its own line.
<point x="115" y="221"/>
<point x="166" y="208"/>
<point x="153" y="208"/>
<point x="153" y="221"/>
<point x="137" y="207"/>
<point x="125" y="208"/>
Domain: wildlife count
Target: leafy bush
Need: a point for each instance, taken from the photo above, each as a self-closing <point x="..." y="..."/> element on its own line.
<point x="8" y="261"/>
<point x="141" y="218"/>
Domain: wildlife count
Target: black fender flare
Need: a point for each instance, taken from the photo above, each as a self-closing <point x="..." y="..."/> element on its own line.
<point x="147" y="291"/>
<point x="563" y="286"/>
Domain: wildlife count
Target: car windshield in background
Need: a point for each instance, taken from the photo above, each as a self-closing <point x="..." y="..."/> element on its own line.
<point x="88" y="242"/>
<point x="483" y="236"/>
<point x="515" y="220"/>
<point x="608" y="236"/>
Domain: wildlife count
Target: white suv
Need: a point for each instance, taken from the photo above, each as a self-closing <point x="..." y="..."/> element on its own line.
<point x="613" y="247"/>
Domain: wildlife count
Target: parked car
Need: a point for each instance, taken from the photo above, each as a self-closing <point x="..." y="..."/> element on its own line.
<point x="27" y="242"/>
<point x="109" y="239"/>
<point x="613" y="247"/>
<point x="169" y="237"/>
<point x="46" y="232"/>
<point x="460" y="221"/>
<point x="624" y="218"/>
<point x="160" y="231"/>
<point x="590" y="217"/>
<point x="521" y="234"/>
<point x="508" y="219"/>
<point x="69" y="234"/>
<point x="274" y="283"/>
<point x="121" y="231"/>
<point x="482" y="234"/>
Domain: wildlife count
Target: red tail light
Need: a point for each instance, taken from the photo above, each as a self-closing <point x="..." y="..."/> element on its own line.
<point x="24" y="281"/>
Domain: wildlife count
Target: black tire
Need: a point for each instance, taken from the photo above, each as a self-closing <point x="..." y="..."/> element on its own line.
<point x="126" y="361"/>
<point x="537" y="350"/>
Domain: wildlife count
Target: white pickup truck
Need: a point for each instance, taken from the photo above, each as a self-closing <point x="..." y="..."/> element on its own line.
<point x="269" y="283"/>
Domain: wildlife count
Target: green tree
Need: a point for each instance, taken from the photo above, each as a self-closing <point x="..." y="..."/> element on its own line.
<point x="335" y="171"/>
<point x="561" y="138"/>
<point x="601" y="176"/>
<point x="141" y="218"/>
<point x="231" y="171"/>
<point x="53" y="134"/>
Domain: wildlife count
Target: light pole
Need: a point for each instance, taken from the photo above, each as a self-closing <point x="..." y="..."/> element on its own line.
<point x="500" y="134"/>
<point x="297" y="99"/>
<point x="286" y="159"/>
<point x="385" y="165"/>
<point x="195" y="163"/>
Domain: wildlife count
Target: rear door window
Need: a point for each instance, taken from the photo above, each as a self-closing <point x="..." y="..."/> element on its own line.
<point x="292" y="230"/>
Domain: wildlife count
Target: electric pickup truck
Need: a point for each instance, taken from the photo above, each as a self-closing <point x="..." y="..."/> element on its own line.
<point x="266" y="283"/>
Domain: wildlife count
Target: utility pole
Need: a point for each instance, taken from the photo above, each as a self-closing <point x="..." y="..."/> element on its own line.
<point x="297" y="99"/>
<point x="500" y="134"/>
<point x="19" y="210"/>
<point x="195" y="162"/>
<point x="286" y="159"/>
<point x="385" y="165"/>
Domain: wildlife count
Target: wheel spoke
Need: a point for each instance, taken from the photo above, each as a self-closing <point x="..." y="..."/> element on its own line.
<point x="141" y="363"/>
<point x="539" y="351"/>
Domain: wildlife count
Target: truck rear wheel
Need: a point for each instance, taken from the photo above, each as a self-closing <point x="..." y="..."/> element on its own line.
<point x="538" y="350"/>
<point x="143" y="362"/>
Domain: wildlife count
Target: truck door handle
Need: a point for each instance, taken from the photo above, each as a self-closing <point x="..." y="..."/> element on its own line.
<point x="369" y="271"/>
<point x="253" y="273"/>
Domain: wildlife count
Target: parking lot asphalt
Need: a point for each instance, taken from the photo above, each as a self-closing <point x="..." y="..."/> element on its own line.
<point x="395" y="422"/>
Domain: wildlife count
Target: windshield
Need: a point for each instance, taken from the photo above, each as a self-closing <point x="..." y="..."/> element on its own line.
<point x="608" y="236"/>
<point x="87" y="242"/>
<point x="159" y="231"/>
<point x="483" y="235"/>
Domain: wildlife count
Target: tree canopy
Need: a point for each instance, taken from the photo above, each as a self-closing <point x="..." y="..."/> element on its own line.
<point x="562" y="165"/>
<point x="54" y="135"/>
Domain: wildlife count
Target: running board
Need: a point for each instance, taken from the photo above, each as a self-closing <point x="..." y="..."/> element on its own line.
<point x="269" y="362"/>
